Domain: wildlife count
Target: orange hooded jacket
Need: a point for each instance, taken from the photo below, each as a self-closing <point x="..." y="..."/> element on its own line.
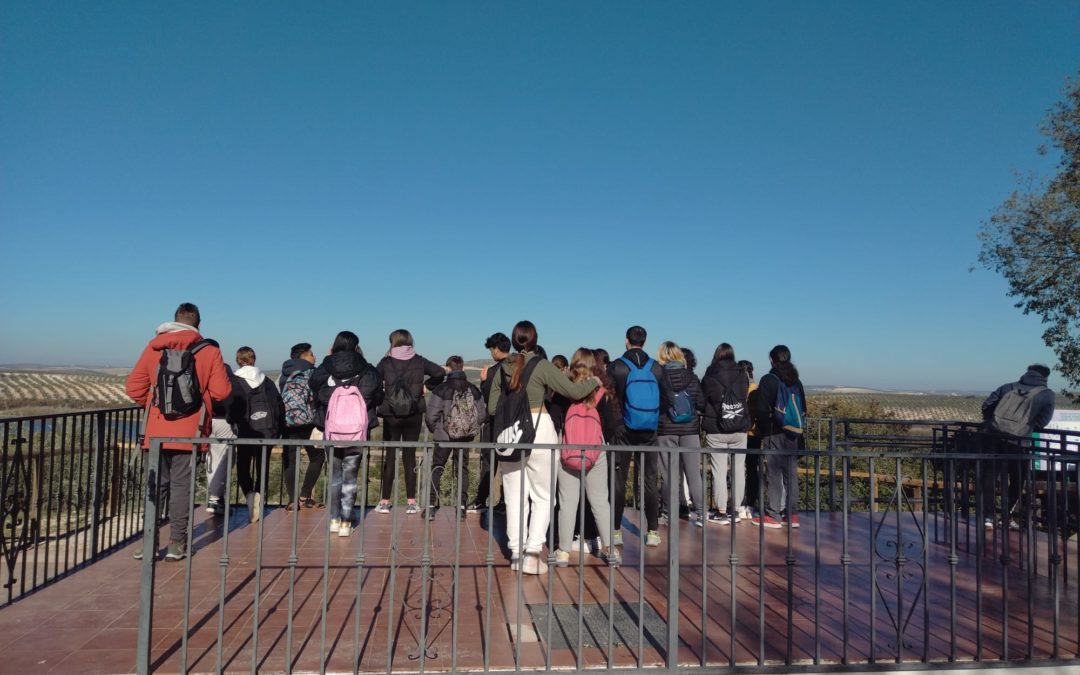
<point x="213" y="380"/>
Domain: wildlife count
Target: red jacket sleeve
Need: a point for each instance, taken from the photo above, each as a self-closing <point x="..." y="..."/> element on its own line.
<point x="141" y="378"/>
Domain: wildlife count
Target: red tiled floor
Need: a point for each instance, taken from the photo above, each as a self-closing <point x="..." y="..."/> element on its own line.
<point x="88" y="621"/>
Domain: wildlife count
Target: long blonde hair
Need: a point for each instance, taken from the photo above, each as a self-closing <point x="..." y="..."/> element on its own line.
<point x="669" y="352"/>
<point x="582" y="367"/>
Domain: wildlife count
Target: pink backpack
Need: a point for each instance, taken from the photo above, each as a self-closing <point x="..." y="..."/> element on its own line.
<point x="582" y="428"/>
<point x="346" y="415"/>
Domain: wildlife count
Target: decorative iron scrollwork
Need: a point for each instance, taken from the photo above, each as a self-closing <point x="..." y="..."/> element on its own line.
<point x="15" y="502"/>
<point x="902" y="565"/>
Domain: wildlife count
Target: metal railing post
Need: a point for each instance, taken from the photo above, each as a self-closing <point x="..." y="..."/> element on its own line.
<point x="673" y="488"/>
<point x="149" y="558"/>
<point x="99" y="470"/>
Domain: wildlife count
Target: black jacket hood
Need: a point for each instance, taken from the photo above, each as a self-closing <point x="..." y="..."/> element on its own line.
<point x="344" y="365"/>
<point x="295" y="366"/>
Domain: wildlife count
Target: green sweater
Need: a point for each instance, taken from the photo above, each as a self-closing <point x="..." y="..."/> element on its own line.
<point x="543" y="375"/>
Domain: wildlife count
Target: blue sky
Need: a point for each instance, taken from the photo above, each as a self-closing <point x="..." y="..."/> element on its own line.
<point x="806" y="173"/>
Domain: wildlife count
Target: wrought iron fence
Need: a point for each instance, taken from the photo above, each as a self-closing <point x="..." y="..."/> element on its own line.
<point x="71" y="491"/>
<point x="906" y="548"/>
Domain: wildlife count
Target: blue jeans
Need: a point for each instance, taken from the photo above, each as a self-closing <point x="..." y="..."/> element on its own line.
<point x="343" y="471"/>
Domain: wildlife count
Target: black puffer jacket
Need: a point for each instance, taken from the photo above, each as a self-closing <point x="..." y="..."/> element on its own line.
<point x="765" y="397"/>
<point x="345" y="366"/>
<point x="677" y="377"/>
<point x="413" y="371"/>
<point x="719" y="378"/>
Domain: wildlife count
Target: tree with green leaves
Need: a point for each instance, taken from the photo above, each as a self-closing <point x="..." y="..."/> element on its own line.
<point x="1033" y="239"/>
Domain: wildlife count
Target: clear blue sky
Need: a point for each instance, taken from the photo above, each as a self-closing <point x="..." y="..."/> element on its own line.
<point x="806" y="173"/>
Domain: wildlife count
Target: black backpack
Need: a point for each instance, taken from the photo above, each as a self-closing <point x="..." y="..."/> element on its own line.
<point x="177" y="393"/>
<point x="731" y="417"/>
<point x="400" y="401"/>
<point x="513" y="422"/>
<point x="259" y="416"/>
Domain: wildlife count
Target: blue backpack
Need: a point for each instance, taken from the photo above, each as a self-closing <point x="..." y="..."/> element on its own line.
<point x="787" y="409"/>
<point x="682" y="408"/>
<point x="641" y="409"/>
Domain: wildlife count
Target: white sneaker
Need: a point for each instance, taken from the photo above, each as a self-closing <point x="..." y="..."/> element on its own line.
<point x="335" y="525"/>
<point x="533" y="564"/>
<point x="616" y="538"/>
<point x="345" y="529"/>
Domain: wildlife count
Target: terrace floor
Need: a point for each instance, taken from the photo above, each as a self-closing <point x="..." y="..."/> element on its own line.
<point x="400" y="594"/>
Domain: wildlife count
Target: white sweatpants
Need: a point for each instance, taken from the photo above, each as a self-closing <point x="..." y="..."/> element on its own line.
<point x="527" y="489"/>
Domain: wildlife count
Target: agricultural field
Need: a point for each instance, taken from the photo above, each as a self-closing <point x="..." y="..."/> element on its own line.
<point x="944" y="407"/>
<point x="34" y="391"/>
<point x="40" y="391"/>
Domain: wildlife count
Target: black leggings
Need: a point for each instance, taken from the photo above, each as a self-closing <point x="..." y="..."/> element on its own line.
<point x="405" y="429"/>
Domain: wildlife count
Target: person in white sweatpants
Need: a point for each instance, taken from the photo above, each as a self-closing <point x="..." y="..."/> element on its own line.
<point x="217" y="480"/>
<point x="527" y="489"/>
<point x="528" y="483"/>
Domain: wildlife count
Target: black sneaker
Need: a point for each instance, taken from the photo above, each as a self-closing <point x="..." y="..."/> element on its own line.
<point x="177" y="551"/>
<point x="500" y="507"/>
<point x="476" y="507"/>
<point x="432" y="511"/>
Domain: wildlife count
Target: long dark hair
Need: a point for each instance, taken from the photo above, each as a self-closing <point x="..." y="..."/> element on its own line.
<point x="523" y="339"/>
<point x="781" y="358"/>
<point x="346" y="341"/>
<point x="724" y="352"/>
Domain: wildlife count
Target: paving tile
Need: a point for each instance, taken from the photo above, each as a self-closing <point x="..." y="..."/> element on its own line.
<point x="97" y="662"/>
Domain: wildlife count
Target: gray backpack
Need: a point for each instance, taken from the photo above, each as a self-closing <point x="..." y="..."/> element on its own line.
<point x="177" y="392"/>
<point x="462" y="419"/>
<point x="1012" y="414"/>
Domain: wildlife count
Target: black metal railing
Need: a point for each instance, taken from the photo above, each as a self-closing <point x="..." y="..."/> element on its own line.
<point x="910" y="551"/>
<point x="71" y="491"/>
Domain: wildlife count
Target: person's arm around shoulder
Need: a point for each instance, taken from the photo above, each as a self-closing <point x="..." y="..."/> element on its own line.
<point x="547" y="374"/>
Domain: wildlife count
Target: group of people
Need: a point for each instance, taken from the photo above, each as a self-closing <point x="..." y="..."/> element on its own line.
<point x="575" y="404"/>
<point x="580" y="403"/>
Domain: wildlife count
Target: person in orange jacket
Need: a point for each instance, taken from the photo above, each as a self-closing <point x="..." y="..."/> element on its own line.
<point x="174" y="470"/>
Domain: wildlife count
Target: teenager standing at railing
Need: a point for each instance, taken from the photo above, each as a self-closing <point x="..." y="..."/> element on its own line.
<point x="726" y="421"/>
<point x="403" y="372"/>
<point x="527" y="480"/>
<point x="345" y="366"/>
<point x="637" y="384"/>
<point x="180" y="336"/>
<point x="779" y="411"/>
<point x="682" y="401"/>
